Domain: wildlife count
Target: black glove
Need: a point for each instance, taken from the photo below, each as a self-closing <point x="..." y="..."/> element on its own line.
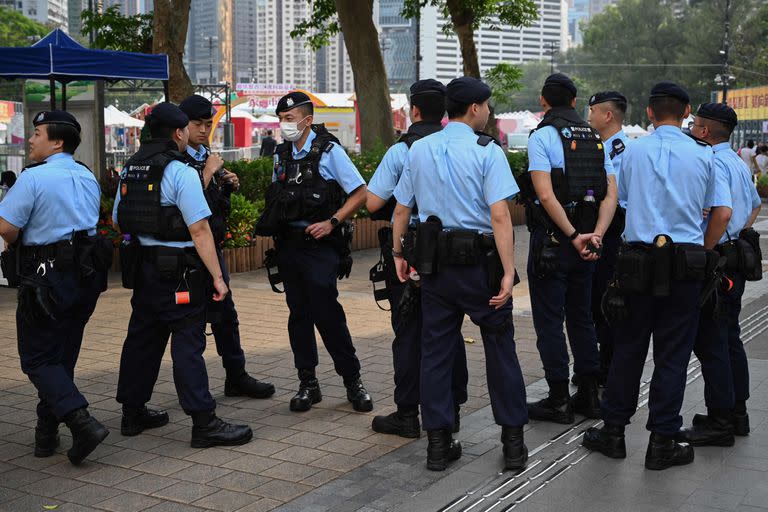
<point x="345" y="267"/>
<point x="613" y="305"/>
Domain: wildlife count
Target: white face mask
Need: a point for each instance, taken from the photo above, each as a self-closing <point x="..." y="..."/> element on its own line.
<point x="290" y="131"/>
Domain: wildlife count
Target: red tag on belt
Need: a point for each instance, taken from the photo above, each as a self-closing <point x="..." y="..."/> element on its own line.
<point x="182" y="297"/>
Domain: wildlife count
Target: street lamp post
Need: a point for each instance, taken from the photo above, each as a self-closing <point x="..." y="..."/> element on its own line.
<point x="725" y="78"/>
<point x="210" y="40"/>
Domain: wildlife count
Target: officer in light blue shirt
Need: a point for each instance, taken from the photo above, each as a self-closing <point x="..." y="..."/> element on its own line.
<point x="462" y="183"/>
<point x="718" y="344"/>
<point x="55" y="203"/>
<point x="667" y="179"/>
<point x="427" y="110"/>
<point x="171" y="275"/>
<point x="606" y="115"/>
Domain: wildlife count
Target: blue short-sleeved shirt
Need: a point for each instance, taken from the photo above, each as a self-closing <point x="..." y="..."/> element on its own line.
<point x="666" y="179"/>
<point x="52" y="200"/>
<point x="456" y="179"/>
<point x="545" y="151"/>
<point x="734" y="189"/>
<point x="198" y="154"/>
<point x="388" y="173"/>
<point x="616" y="158"/>
<point x="180" y="187"/>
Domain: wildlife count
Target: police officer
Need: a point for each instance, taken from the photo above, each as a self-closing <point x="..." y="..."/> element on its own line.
<point x="56" y="204"/>
<point x="570" y="206"/>
<point x="219" y="184"/>
<point x="313" y="173"/>
<point x="667" y="179"/>
<point x="606" y="115"/>
<point x="427" y="100"/>
<point x="718" y="344"/>
<point x="462" y="183"/>
<point x="161" y="202"/>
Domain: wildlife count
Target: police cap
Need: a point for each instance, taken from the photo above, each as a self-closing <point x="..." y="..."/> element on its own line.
<point x="603" y="96"/>
<point x="428" y="86"/>
<point x="197" y="107"/>
<point x="467" y="90"/>
<point x="718" y="112"/>
<point x="292" y="100"/>
<point x="169" y="115"/>
<point x="670" y="90"/>
<point x="56" y="117"/>
<point x="561" y="80"/>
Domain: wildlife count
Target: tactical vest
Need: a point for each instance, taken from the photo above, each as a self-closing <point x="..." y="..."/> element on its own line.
<point x="139" y="211"/>
<point x="584" y="157"/>
<point x="217" y="195"/>
<point x="303" y="193"/>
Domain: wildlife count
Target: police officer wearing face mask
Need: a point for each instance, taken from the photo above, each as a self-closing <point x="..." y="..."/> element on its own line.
<point x="464" y="254"/>
<point x="570" y="192"/>
<point x="606" y="115"/>
<point x="427" y="111"/>
<point x="667" y="179"/>
<point x="306" y="201"/>
<point x="728" y="229"/>
<point x="50" y="215"/>
<point x="219" y="184"/>
<point x="160" y="203"/>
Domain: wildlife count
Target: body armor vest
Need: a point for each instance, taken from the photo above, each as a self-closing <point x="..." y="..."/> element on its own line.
<point x="139" y="211"/>
<point x="217" y="195"/>
<point x="303" y="193"/>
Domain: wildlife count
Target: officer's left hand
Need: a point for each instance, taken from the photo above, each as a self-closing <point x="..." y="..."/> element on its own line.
<point x="319" y="229"/>
<point x="580" y="244"/>
<point x="401" y="267"/>
<point x="705" y="213"/>
<point x="232" y="179"/>
<point x="505" y="292"/>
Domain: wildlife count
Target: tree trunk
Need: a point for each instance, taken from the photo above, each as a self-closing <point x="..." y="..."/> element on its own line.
<point x="371" y="87"/>
<point x="169" y="27"/>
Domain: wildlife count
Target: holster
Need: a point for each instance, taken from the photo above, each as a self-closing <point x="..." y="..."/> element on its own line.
<point x="382" y="272"/>
<point x="270" y="222"/>
<point x="546" y="255"/>
<point x="130" y="262"/>
<point x="10" y="262"/>
<point x="634" y="268"/>
<point x="182" y="265"/>
<point x="751" y="261"/>
<point x="273" y="274"/>
<point x="425" y="253"/>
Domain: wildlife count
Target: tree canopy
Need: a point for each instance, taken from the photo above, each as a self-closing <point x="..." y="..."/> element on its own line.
<point x="18" y="30"/>
<point x="113" y="31"/>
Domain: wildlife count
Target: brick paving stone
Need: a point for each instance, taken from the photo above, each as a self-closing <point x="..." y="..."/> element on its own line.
<point x="184" y="492"/>
<point x="162" y="466"/>
<point x="300" y="454"/>
<point x="290" y="471"/>
<point x="322" y="477"/>
<point x="252" y="463"/>
<point x="262" y="505"/>
<point x="262" y="447"/>
<point x="281" y="490"/>
<point x="308" y="439"/>
<point x="239" y="481"/>
<point x="201" y="473"/>
<point x="29" y="502"/>
<point x="128" y="502"/>
<point x="7" y="494"/>
<point x="227" y="501"/>
<point x="109" y="475"/>
<point x="339" y="462"/>
<point x="52" y="486"/>
<point x="147" y="484"/>
<point x="89" y="494"/>
<point x="127" y="458"/>
<point x="345" y="446"/>
<point x="216" y="456"/>
<point x="172" y="506"/>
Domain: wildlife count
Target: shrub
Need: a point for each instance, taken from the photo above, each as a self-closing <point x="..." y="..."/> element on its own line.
<point x="255" y="176"/>
<point x="105" y="227"/>
<point x="762" y="185"/>
<point x="242" y="218"/>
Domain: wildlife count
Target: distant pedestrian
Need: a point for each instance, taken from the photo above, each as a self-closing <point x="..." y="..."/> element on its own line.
<point x="268" y="145"/>
<point x="747" y="152"/>
<point x="761" y="160"/>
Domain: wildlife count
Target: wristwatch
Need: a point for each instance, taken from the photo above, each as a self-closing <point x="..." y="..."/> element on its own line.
<point x="334" y="221"/>
<point x="574" y="235"/>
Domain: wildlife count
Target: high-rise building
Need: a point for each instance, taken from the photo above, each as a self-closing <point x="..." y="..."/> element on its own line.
<point x="129" y="7"/>
<point x="332" y="68"/>
<point x="75" y="23"/>
<point x="441" y="56"/>
<point x="50" y="12"/>
<point x="398" y="40"/>
<point x="203" y="57"/>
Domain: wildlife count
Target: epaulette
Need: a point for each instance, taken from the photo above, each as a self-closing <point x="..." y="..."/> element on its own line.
<point x="31" y="166"/>
<point x="81" y="163"/>
<point x="484" y="139"/>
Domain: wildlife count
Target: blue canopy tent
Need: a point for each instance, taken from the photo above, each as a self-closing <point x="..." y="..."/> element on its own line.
<point x="60" y="58"/>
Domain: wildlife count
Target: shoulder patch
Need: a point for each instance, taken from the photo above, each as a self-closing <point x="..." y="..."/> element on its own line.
<point x="617" y="149"/>
<point x="484" y="140"/>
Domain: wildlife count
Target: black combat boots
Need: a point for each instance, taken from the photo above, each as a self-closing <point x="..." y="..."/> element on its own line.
<point x="309" y="391"/>
<point x="608" y="440"/>
<point x="210" y="430"/>
<point x="46" y="437"/>
<point x="557" y="407"/>
<point x="357" y="395"/>
<point x="586" y="401"/>
<point x="239" y="383"/>
<point x="714" y="429"/>
<point x="442" y="449"/>
<point x="87" y="434"/>
<point x="137" y="419"/>
<point x="515" y="451"/>
<point x="404" y="423"/>
<point x="664" y="452"/>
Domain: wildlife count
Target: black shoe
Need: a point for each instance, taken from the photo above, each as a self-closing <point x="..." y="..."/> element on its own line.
<point x="442" y="449"/>
<point x="586" y="401"/>
<point x="243" y="384"/>
<point x="608" y="440"/>
<point x="515" y="451"/>
<point x="46" y="437"/>
<point x="308" y="395"/>
<point x="136" y="421"/>
<point x="220" y="433"/>
<point x="456" y="419"/>
<point x="664" y="452"/>
<point x="712" y="431"/>
<point x="87" y="434"/>
<point x="556" y="410"/>
<point x="358" y="396"/>
<point x="399" y="423"/>
<point x="741" y="423"/>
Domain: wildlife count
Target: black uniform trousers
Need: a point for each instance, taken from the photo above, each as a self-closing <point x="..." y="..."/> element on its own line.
<point x="226" y="330"/>
<point x="446" y="296"/>
<point x="49" y="349"/>
<point x="673" y="322"/>
<point x="721" y="352"/>
<point x="564" y="296"/>
<point x="154" y="319"/>
<point x="605" y="268"/>
<point x="309" y="270"/>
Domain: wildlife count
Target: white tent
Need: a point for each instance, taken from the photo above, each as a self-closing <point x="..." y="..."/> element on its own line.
<point x="115" y="117"/>
<point x="634" y="131"/>
<point x="243" y="113"/>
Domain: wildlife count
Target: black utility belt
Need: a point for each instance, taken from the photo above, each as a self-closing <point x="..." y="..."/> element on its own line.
<point x="740" y="257"/>
<point x="63" y="251"/>
<point x="647" y="268"/>
<point x="582" y="215"/>
<point x="183" y="257"/>
<point x="435" y="247"/>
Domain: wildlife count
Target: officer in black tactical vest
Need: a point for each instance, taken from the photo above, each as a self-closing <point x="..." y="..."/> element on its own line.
<point x="306" y="212"/>
<point x="171" y="264"/>
<point x="427" y="110"/>
<point x="49" y="220"/>
<point x="219" y="184"/>
<point x="570" y="195"/>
